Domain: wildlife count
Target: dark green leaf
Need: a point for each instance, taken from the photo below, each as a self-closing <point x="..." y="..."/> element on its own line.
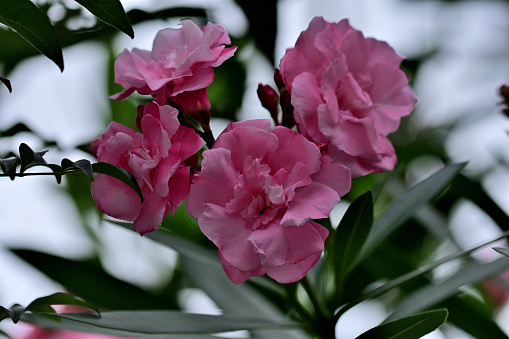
<point x="91" y="282"/>
<point x="502" y="250"/>
<point x="351" y="234"/>
<point x="152" y="323"/>
<point x="432" y="294"/>
<point x="8" y="166"/>
<point x="30" y="158"/>
<point x="406" y="205"/>
<point x="33" y="25"/>
<point x="40" y="304"/>
<point x="119" y="173"/>
<point x="414" y="326"/>
<point x="203" y="268"/>
<point x="111" y="12"/>
<point x="82" y="164"/>
<point x="471" y="314"/>
<point x="14" y="312"/>
<point x="7" y="83"/>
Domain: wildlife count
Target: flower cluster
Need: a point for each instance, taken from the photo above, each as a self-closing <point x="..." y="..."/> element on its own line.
<point x="257" y="189"/>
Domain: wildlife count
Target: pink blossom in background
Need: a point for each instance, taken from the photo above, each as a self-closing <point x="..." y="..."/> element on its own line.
<point x="348" y="93"/>
<point x="155" y="157"/>
<point x="44" y="333"/>
<point x="181" y="61"/>
<point x="255" y="194"/>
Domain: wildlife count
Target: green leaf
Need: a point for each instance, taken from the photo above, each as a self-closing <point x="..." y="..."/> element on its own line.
<point x="91" y="282"/>
<point x="351" y="234"/>
<point x="7" y="83"/>
<point x="471" y="314"/>
<point x="432" y="294"/>
<point x="152" y="323"/>
<point x="83" y="165"/>
<point x="414" y="326"/>
<point x="110" y="12"/>
<point x="30" y="158"/>
<point x="119" y="173"/>
<point x="8" y="166"/>
<point x="40" y="304"/>
<point x="14" y="312"/>
<point x="199" y="262"/>
<point x="502" y="250"/>
<point x="34" y="26"/>
<point x="407" y="203"/>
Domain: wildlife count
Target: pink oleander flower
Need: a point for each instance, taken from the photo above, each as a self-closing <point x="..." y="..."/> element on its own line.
<point x="155" y="157"/>
<point x="255" y="194"/>
<point x="44" y="333"/>
<point x="348" y="93"/>
<point x="179" y="65"/>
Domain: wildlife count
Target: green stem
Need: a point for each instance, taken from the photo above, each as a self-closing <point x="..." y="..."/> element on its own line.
<point x="317" y="302"/>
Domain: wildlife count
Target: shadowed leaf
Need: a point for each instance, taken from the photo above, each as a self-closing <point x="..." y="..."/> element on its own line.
<point x="414" y="326"/>
<point x="111" y="12"/>
<point x="7" y="83"/>
<point x="119" y="173"/>
<point x="34" y="26"/>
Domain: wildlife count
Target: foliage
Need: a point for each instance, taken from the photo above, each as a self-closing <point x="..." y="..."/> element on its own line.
<point x="381" y="249"/>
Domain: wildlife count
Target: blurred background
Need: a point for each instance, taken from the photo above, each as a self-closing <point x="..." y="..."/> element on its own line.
<point x="457" y="58"/>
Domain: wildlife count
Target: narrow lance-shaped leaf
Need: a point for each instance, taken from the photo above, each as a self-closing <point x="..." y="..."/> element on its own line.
<point x="406" y="205"/>
<point x="502" y="250"/>
<point x="119" y="173"/>
<point x="151" y="323"/>
<point x="34" y="26"/>
<point x="351" y="234"/>
<point x="414" y="326"/>
<point x="110" y="12"/>
<point x="435" y="293"/>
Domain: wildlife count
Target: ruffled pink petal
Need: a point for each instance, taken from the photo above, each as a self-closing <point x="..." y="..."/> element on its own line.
<point x="229" y="233"/>
<point x="179" y="186"/>
<point x="214" y="184"/>
<point x="263" y="124"/>
<point x="293" y="148"/>
<point x="152" y="213"/>
<point x="171" y="46"/>
<point x="115" y="198"/>
<point x="281" y="246"/>
<point x="304" y="57"/>
<point x="194" y="81"/>
<point x="314" y="201"/>
<point x="292" y="272"/>
<point x="306" y="99"/>
<point x="246" y="141"/>
<point x="237" y="276"/>
<point x="381" y="52"/>
<point x="190" y="142"/>
<point x="334" y="175"/>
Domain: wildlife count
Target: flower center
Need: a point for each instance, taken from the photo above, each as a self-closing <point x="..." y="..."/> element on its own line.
<point x="351" y="97"/>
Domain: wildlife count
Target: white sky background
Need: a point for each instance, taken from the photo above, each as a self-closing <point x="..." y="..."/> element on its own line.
<point x="459" y="81"/>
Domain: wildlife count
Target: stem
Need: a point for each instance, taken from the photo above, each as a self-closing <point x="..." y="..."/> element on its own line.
<point x="317" y="302"/>
<point x="36" y="173"/>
